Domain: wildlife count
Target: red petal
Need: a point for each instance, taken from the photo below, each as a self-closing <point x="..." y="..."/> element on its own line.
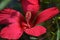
<point x="36" y="31"/>
<point x="11" y="14"/>
<point x="13" y="31"/>
<point x="30" y="5"/>
<point x="47" y="14"/>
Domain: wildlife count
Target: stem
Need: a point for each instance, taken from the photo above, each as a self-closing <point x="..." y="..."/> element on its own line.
<point x="58" y="29"/>
<point x="4" y="3"/>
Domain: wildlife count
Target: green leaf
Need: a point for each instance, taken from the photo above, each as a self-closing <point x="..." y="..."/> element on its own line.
<point x="58" y="29"/>
<point x="4" y="3"/>
<point x="58" y="34"/>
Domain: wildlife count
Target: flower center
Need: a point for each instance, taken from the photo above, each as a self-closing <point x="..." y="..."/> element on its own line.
<point x="28" y="17"/>
<point x="25" y="26"/>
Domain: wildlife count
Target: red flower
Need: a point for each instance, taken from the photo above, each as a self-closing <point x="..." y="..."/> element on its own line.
<point x="19" y="25"/>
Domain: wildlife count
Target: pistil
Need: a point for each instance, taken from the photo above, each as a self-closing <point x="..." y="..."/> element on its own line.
<point x="28" y="17"/>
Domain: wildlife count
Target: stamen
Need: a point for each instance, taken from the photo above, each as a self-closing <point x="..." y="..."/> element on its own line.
<point x="28" y="17"/>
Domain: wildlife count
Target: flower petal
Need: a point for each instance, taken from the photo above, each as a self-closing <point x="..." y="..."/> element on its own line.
<point x="9" y="13"/>
<point x="13" y="31"/>
<point x="30" y="5"/>
<point x="36" y="31"/>
<point x="27" y="6"/>
<point x="47" y="14"/>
